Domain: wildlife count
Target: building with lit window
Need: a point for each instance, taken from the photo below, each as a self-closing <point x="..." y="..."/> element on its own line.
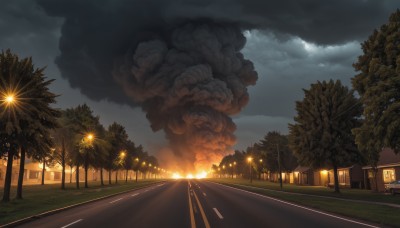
<point x="388" y="170"/>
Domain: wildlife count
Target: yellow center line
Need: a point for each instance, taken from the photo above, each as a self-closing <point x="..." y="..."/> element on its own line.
<point x="192" y="221"/>
<point x="203" y="215"/>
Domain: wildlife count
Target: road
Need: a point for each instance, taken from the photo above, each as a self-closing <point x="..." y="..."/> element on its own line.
<point x="191" y="203"/>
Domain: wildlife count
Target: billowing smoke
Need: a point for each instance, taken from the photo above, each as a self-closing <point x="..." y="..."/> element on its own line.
<point x="189" y="83"/>
<point x="180" y="60"/>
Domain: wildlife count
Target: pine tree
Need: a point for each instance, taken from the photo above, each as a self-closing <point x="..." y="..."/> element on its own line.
<point x="321" y="135"/>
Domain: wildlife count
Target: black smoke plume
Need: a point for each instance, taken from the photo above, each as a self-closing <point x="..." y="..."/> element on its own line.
<point x="180" y="60"/>
<point x="189" y="82"/>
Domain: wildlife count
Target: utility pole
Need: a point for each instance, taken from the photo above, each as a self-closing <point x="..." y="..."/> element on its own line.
<point x="279" y="165"/>
<point x="251" y="174"/>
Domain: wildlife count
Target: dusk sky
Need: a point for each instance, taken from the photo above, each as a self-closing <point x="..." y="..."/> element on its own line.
<point x="291" y="44"/>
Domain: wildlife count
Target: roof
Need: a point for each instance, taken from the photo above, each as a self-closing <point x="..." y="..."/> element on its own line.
<point x="301" y="169"/>
<point x="387" y="158"/>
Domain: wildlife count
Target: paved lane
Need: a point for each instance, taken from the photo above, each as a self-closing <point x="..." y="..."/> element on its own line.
<point x="230" y="207"/>
<point x="192" y="204"/>
<point x="161" y="205"/>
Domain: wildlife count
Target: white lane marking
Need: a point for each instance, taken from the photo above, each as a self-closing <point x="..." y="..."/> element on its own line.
<point x="72" y="223"/>
<point x="116" y="200"/>
<point x="305" y="208"/>
<point x="135" y="194"/>
<point x="217" y="212"/>
<point x="204" y="194"/>
<point x="160" y="185"/>
<point x="146" y="190"/>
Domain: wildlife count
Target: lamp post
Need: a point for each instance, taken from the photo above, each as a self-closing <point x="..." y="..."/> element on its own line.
<point x="261" y="165"/>
<point x="234" y="166"/>
<point x="137" y="168"/>
<point x="279" y="166"/>
<point x="250" y="160"/>
<point x="230" y="165"/>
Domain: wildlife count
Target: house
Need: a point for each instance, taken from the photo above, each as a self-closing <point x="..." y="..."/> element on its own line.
<point x="349" y="177"/>
<point x="388" y="170"/>
<point x="33" y="173"/>
<point x="303" y="175"/>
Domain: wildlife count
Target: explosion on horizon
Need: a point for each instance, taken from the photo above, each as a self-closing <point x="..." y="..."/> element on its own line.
<point x="189" y="83"/>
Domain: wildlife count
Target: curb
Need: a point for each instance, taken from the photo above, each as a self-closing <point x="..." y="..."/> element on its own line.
<point x="47" y="213"/>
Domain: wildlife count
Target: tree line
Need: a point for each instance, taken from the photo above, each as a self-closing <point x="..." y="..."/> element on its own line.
<point x="31" y="127"/>
<point x="337" y="126"/>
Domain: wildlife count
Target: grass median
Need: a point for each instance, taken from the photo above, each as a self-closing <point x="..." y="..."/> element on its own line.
<point x="42" y="198"/>
<point x="368" y="211"/>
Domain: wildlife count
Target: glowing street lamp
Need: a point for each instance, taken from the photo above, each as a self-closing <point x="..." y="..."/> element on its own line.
<point x="90" y="137"/>
<point x="250" y="160"/>
<point x="123" y="154"/>
<point x="9" y="99"/>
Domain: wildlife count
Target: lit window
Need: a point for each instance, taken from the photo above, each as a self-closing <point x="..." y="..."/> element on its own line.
<point x="388" y="175"/>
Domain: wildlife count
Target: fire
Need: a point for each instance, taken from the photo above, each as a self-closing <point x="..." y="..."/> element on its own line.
<point x="200" y="175"/>
<point x="176" y="176"/>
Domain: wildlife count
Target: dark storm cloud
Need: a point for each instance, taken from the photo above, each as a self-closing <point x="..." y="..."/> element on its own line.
<point x="291" y="65"/>
<point x="96" y="32"/>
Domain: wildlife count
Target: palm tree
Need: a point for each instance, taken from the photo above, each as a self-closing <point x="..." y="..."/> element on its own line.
<point x="25" y="100"/>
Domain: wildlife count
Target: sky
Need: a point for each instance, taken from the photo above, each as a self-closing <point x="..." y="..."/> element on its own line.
<point x="291" y="43"/>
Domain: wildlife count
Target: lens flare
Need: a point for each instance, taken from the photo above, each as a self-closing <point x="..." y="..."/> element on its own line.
<point x="10" y="99"/>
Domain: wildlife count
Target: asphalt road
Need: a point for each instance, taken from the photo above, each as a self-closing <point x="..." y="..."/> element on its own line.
<point x="192" y="203"/>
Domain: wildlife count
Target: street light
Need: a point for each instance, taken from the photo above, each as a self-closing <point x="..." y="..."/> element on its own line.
<point x="250" y="160"/>
<point x="9" y="99"/>
<point x="235" y="171"/>
<point x="90" y="137"/>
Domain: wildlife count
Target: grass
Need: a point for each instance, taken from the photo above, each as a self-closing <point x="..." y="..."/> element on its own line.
<point x="381" y="214"/>
<point x="352" y="194"/>
<point x="39" y="199"/>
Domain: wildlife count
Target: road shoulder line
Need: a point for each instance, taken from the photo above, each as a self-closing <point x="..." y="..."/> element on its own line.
<point x="72" y="223"/>
<point x="299" y="206"/>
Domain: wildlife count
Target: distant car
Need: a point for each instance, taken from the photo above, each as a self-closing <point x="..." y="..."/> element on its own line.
<point x="393" y="187"/>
